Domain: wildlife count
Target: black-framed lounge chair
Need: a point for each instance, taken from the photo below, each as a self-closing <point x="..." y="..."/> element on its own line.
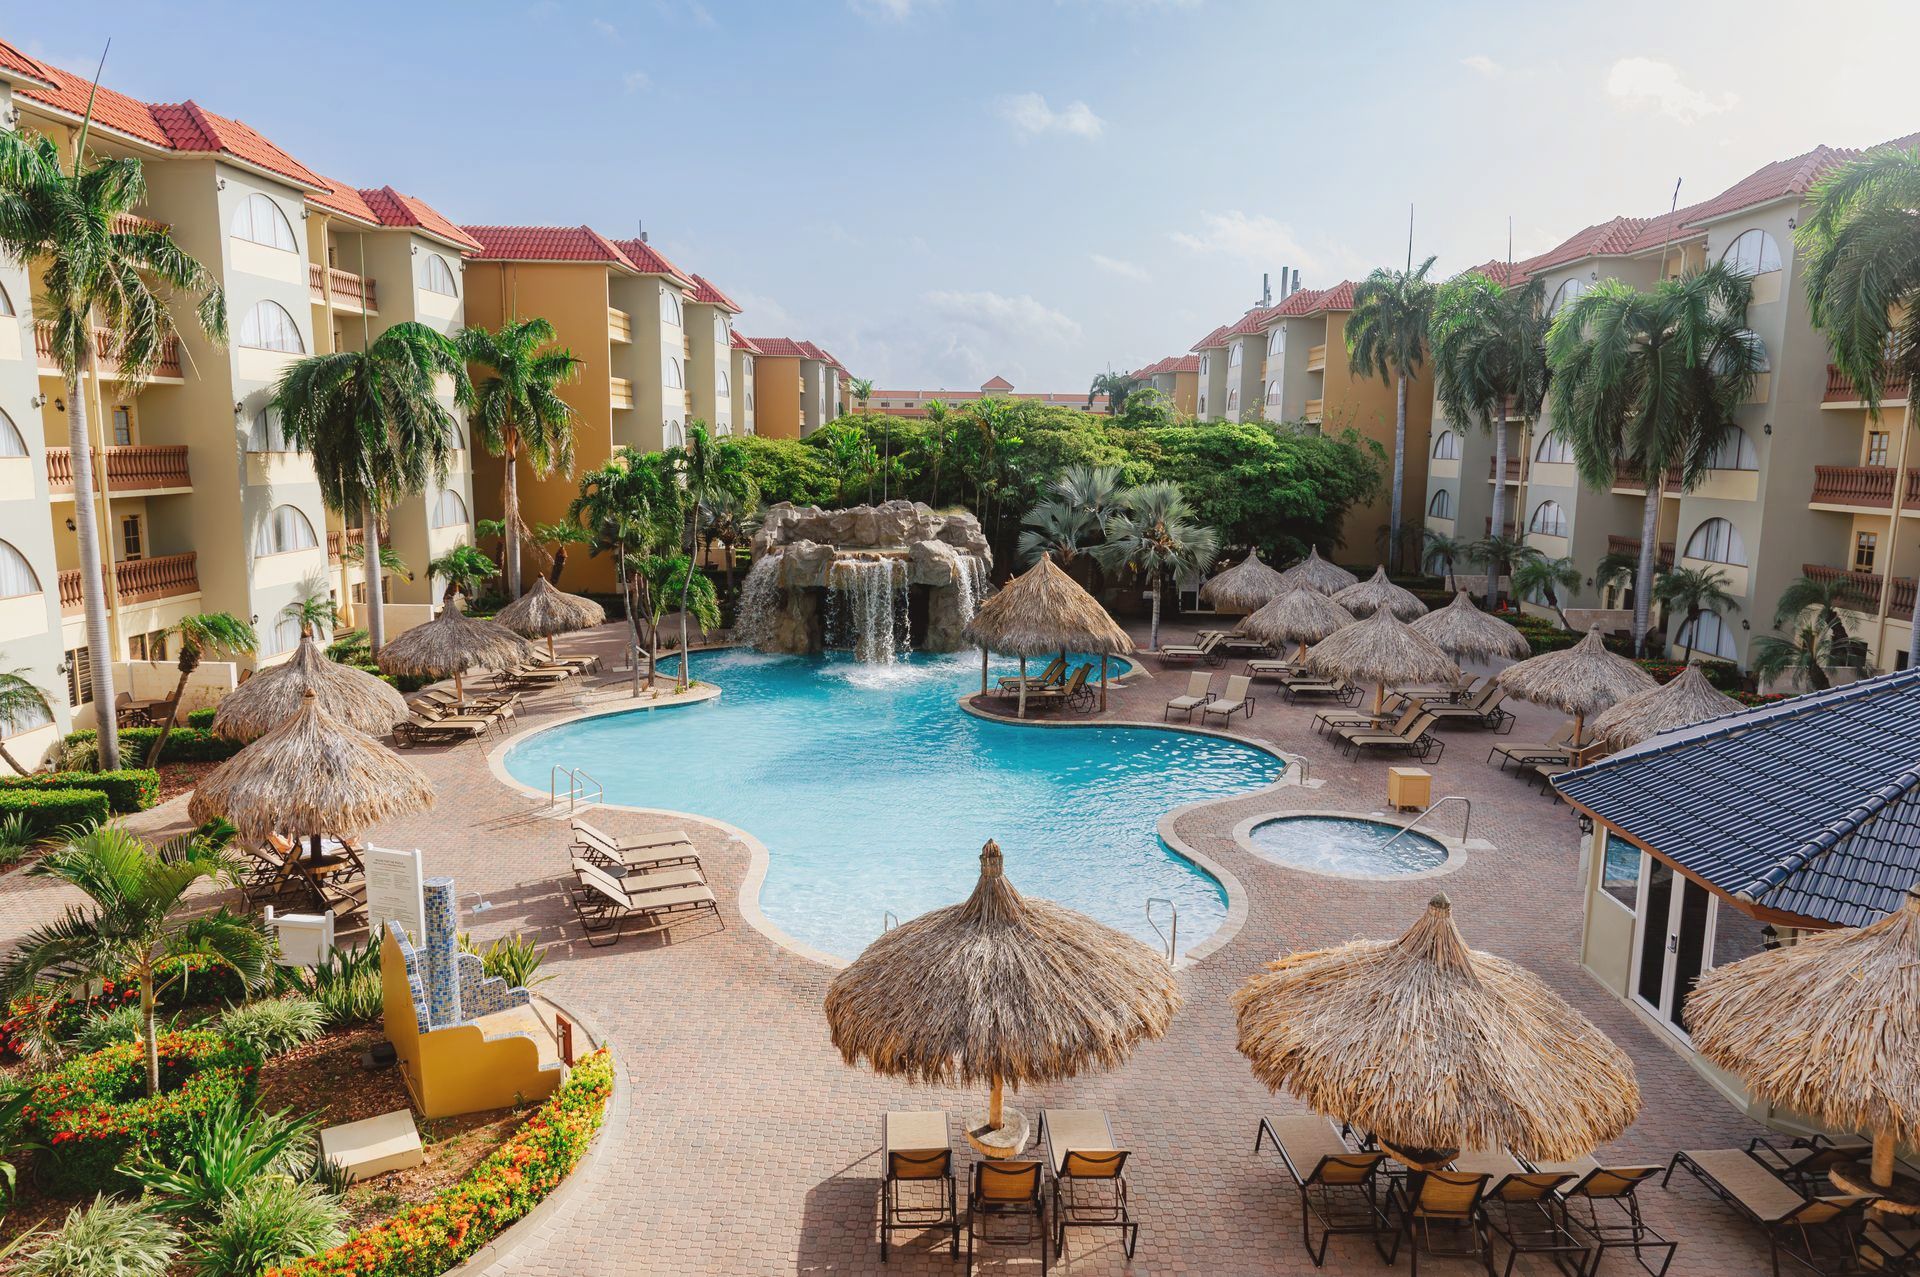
<point x="1415" y="738"/>
<point x="1339" y="1188"/>
<point x="916" y="1154"/>
<point x="1522" y="1211"/>
<point x="1805" y="1162"/>
<point x="1204" y="649"/>
<point x="1441" y="1214"/>
<point x="531" y="678"/>
<point x="1056" y="672"/>
<point x="1234" y="643"/>
<point x="1199" y="692"/>
<point x="1614" y="1190"/>
<point x="1815" y="1232"/>
<point x="1557" y="750"/>
<point x="1010" y="1190"/>
<point x="429" y="728"/>
<point x="1089" y="1181"/>
<point x="1884" y="1249"/>
<point x="476" y="706"/>
<point x="1237" y="698"/>
<point x="1073" y="694"/>
<point x="1333" y="689"/>
<point x="1391" y="721"/>
<point x="672" y="849"/>
<point x="1436" y="693"/>
<point x="1483" y="709"/>
<point x="1280" y="670"/>
<point x="605" y="904"/>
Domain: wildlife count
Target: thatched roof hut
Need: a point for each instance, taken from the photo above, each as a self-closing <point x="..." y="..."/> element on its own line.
<point x="1300" y="616"/>
<point x="998" y="989"/>
<point x="1377" y="593"/>
<point x="451" y="644"/>
<point x="1463" y="630"/>
<point x="1382" y="649"/>
<point x="1680" y="703"/>
<point x="1315" y="573"/>
<point x="1247" y="585"/>
<point x="545" y="611"/>
<point x="1040" y="612"/>
<point x="1580" y="680"/>
<point x="274" y="695"/>
<point x="1828" y="1028"/>
<point x="313" y="774"/>
<point x="1434" y="1047"/>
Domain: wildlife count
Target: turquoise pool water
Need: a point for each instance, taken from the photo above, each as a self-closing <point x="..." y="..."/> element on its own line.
<point x="1345" y="845"/>
<point x="874" y="792"/>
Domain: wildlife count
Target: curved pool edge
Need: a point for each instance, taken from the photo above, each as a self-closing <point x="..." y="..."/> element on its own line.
<point x="1455" y="848"/>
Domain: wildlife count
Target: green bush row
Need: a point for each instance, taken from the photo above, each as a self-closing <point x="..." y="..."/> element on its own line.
<point x="48" y="810"/>
<point x="129" y="789"/>
<point x="79" y="753"/>
<point x="202" y="718"/>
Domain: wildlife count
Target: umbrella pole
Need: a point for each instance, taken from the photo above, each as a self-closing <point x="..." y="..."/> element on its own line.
<point x="1379" y="697"/>
<point x="1103" y="682"/>
<point x="550" y="651"/>
<point x="1579" y="729"/>
<point x="1882" y="1160"/>
<point x="983" y="669"/>
<point x="458" y="694"/>
<point x="1023" y="687"/>
<point x="995" y="1107"/>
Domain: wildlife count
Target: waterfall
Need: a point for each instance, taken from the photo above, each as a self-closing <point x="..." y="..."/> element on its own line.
<point x="970" y="583"/>
<point x="759" y="597"/>
<point x="868" y="598"/>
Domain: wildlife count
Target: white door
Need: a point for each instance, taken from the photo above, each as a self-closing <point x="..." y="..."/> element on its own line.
<point x="1673" y="940"/>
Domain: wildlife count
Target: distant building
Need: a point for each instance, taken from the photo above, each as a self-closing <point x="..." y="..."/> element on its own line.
<point x="913" y="403"/>
<point x="1178" y="378"/>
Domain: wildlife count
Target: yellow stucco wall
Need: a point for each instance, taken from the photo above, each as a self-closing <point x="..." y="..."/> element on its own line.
<point x="1367" y="404"/>
<point x="776" y="397"/>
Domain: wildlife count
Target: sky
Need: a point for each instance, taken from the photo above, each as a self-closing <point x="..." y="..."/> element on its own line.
<point x="939" y="191"/>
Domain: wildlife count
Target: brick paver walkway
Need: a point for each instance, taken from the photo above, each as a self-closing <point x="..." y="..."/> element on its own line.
<point x="750" y="1148"/>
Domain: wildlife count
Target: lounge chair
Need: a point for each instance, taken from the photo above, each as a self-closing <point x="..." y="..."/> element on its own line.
<point x="1557" y="750"/>
<point x="1339" y="1188"/>
<point x="1415" y="738"/>
<point x="1795" y="1225"/>
<point x="670" y="850"/>
<point x="1340" y="690"/>
<point x="1521" y="1209"/>
<point x="605" y="903"/>
<point x="1073" y="694"/>
<point x="916" y="1153"/>
<point x="428" y="726"/>
<point x="502" y="704"/>
<point x="1199" y="692"/>
<point x="1483" y="709"/>
<point x="1280" y="670"/>
<point x="1439" y="692"/>
<point x="1234" y="642"/>
<point x="1391" y="721"/>
<point x="1203" y="650"/>
<point x="530" y="678"/>
<point x="1231" y="701"/>
<point x="1006" y="1189"/>
<point x="1442" y="1202"/>
<point x="1615" y="1190"/>
<point x="1089" y="1186"/>
<point x="1056" y="672"/>
<point x="1804" y="1163"/>
<point x="1885" y="1249"/>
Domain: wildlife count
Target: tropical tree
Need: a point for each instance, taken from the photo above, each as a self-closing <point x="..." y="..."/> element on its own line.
<point x="1116" y="386"/>
<point x="630" y="506"/>
<point x="561" y="536"/>
<point x="465" y="569"/>
<point x="1822" y="597"/>
<point x="1614" y="569"/>
<point x="198" y="634"/>
<point x="940" y="438"/>
<point x="731" y="520"/>
<point x="105" y="278"/>
<point x="1860" y="253"/>
<point x="1095" y="491"/>
<point x="1489" y="358"/>
<point x="136" y="916"/>
<point x="376" y="429"/>
<point x="1652" y="379"/>
<point x="660" y="582"/>
<point x="21" y="702"/>
<point x="317" y="614"/>
<point x="518" y="412"/>
<point x="1498" y="554"/>
<point x="1533" y="573"/>
<point x="355" y="554"/>
<point x="1451" y="551"/>
<point x="708" y="471"/>
<point x="1693" y="592"/>
<point x="1053" y="527"/>
<point x="1387" y="338"/>
<point x="1805" y="655"/>
<point x="1154" y="534"/>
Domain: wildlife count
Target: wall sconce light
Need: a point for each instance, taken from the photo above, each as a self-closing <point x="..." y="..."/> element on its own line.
<point x="414" y="251"/>
<point x="38" y="401"/>
<point x="239" y="408"/>
<point x="1746" y="625"/>
<point x="71" y="527"/>
<point x="64" y="668"/>
<point x="1793" y="223"/>
<point x="59" y="405"/>
<point x="305" y="213"/>
<point x="1768" y="428"/>
<point x="219" y="183"/>
<point x="1586" y="823"/>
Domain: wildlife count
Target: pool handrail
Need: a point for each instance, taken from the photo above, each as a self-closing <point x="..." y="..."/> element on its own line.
<point x="575" y="789"/>
<point x="1171" y="937"/>
<point x="1466" y="825"/>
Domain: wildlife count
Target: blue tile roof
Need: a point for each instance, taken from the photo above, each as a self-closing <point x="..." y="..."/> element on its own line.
<point x="1810" y="806"/>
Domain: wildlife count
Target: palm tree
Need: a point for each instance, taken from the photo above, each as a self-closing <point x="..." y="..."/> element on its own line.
<point x="1693" y="592"/>
<point x="731" y="520"/>
<point x="560" y="536"/>
<point x="629" y="505"/>
<point x="1860" y="248"/>
<point x="1093" y="490"/>
<point x="199" y="633"/>
<point x="1652" y="379"/>
<point x="1387" y="337"/>
<point x="518" y="411"/>
<point x="137" y="915"/>
<point x="1823" y="596"/>
<point x="1489" y="355"/>
<point x="465" y="569"/>
<point x="21" y="702"/>
<point x="708" y="471"/>
<point x="317" y="613"/>
<point x="1535" y="573"/>
<point x="862" y="390"/>
<point x="1450" y="551"/>
<point x="1054" y="527"/>
<point x="1116" y="386"/>
<point x="1806" y="655"/>
<point x="1614" y="569"/>
<point x="940" y="441"/>
<point x="1499" y="554"/>
<point x="96" y="262"/>
<point x="1154" y="534"/>
<point x="376" y="429"/>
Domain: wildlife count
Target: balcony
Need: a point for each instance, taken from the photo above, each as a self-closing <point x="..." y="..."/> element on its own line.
<point x="342" y="289"/>
<point x="1863" y="590"/>
<point x="619" y="324"/>
<point x="1513" y="469"/>
<point x="1861" y="487"/>
<point x="133" y="223"/>
<point x="622" y="389"/>
<point x="338" y="541"/>
<point x="1314" y="410"/>
<point x="1317" y="358"/>
<point x="1841" y="394"/>
<point x="139" y="580"/>
<point x="1630" y="546"/>
<point x="1630" y="479"/>
<point x="106" y="363"/>
<point x="130" y="470"/>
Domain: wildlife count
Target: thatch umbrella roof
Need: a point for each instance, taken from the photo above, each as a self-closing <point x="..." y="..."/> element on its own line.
<point x="1298" y="616"/>
<point x="1375" y="593"/>
<point x="1828" y="1027"/>
<point x="1462" y="629"/>
<point x="273" y="696"/>
<point x="1580" y="680"/>
<point x="1382" y="649"/>
<point x="1000" y="988"/>
<point x="1315" y="573"/>
<point x="451" y="644"/>
<point x="313" y="774"/>
<point x="1679" y="703"/>
<point x="1430" y="1045"/>
<point x="1246" y="585"/>
<point x="1040" y="612"/>
<point x="545" y="611"/>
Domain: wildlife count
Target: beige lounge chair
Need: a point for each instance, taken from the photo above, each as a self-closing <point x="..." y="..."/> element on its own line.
<point x="1557" y="750"/>
<point x="1089" y="1184"/>
<point x="1281" y="670"/>
<point x="1447" y="1203"/>
<point x="1616" y="1190"/>
<point x="1204" y="650"/>
<point x="428" y="726"/>
<point x="1794" y="1224"/>
<point x="1521" y="1209"/>
<point x="658" y="851"/>
<point x="916" y="1153"/>
<point x="605" y="904"/>
<point x="1339" y="1189"/>
<point x="1230" y="702"/>
<point x="1482" y="709"/>
<point x="1392" y="721"/>
<point x="1451" y="692"/>
<point x="1199" y="692"/>
<point x="1073" y="694"/>
<point x="1056" y="672"/>
<point x="1415" y="738"/>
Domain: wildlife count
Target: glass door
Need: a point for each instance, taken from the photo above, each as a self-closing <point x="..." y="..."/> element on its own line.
<point x="1675" y="938"/>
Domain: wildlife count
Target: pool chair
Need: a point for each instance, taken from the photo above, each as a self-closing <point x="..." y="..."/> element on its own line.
<point x="1204" y="649"/>
<point x="1089" y="1186"/>
<point x="1602" y="1205"/>
<point x="1230" y="702"/>
<point x="1235" y="643"/>
<point x="1439" y="692"/>
<point x="1483" y="709"/>
<point x="1884" y="1249"/>
<point x="917" y="1188"/>
<point x="1055" y="673"/>
<point x="1006" y="1191"/>
<point x="1804" y="1162"/>
<point x="1442" y="1213"/>
<point x="1314" y="686"/>
<point x="1815" y="1232"/>
<point x="1392" y="721"/>
<point x="1073" y="694"/>
<point x="1522" y="1212"/>
<point x="1278" y="670"/>
<point x="502" y="704"/>
<point x="606" y="903"/>
<point x="531" y="678"/>
<point x="671" y="850"/>
<point x="1340" y="1189"/>
<point x="1415" y="738"/>
<point x="1199" y="692"/>
<point x="1557" y="750"/>
<point x="429" y="726"/>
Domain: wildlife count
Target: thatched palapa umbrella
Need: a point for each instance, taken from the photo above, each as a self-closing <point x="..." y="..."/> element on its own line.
<point x="1244" y="587"/>
<point x="1580" y="680"/>
<point x="1042" y="611"/>
<point x="1299" y="616"/>
<point x="1434" y="1047"/>
<point x="1382" y="649"/>
<point x="1680" y="703"/>
<point x="545" y="611"/>
<point x="452" y="643"/>
<point x="1463" y="630"/>
<point x="274" y="695"/>
<point x="1376" y="593"/>
<point x="999" y="989"/>
<point x="1315" y="573"/>
<point x="1828" y="1027"/>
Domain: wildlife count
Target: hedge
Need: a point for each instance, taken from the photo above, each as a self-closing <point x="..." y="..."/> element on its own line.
<point x="186" y="745"/>
<point x="49" y="810"/>
<point x="202" y="718"/>
<point x="428" y="1239"/>
<point x="127" y="790"/>
<point x="190" y="980"/>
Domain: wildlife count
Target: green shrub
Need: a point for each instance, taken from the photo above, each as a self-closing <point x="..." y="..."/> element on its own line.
<point x="274" y="1026"/>
<point x="47" y="811"/>
<point x="202" y="718"/>
<point x="515" y="959"/>
<point x="1553" y="641"/>
<point x="128" y="790"/>
<point x="275" y="1221"/>
<point x="16" y="837"/>
<point x="79" y="753"/>
<point x="109" y="1027"/>
<point x="222" y="1150"/>
<point x="107" y="1239"/>
<point x="185" y="981"/>
<point x="347" y="985"/>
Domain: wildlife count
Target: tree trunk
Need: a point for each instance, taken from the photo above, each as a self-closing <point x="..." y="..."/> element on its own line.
<point x="1499" y="502"/>
<point x="1692" y="631"/>
<point x="150" y="1039"/>
<point x="376" y="606"/>
<point x="93" y="578"/>
<point x="1399" y="472"/>
<point x="1649" y="547"/>
<point x="628" y="593"/>
<point x="189" y="662"/>
<point x="686" y="586"/>
<point x="559" y="566"/>
<point x="510" y="503"/>
<point x="1153" y="628"/>
<point x="7" y="756"/>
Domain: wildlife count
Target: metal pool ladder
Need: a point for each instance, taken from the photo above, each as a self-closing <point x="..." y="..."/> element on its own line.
<point x="582" y="788"/>
<point x="1466" y="825"/>
<point x="1170" y="937"/>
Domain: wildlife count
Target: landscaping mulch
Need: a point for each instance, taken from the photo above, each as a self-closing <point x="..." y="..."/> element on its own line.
<point x="180" y="778"/>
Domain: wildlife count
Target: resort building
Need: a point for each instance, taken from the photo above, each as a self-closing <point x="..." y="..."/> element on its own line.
<point x="1177" y="377"/>
<point x="913" y="403"/>
<point x="743" y="353"/>
<point x="710" y="379"/>
<point x="1210" y="376"/>
<point x="783" y="376"/>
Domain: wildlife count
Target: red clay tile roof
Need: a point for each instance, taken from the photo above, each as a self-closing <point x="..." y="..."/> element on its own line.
<point x="191" y="127"/>
<point x="1185" y="363"/>
<point x="396" y="209"/>
<point x="1255" y="320"/>
<point x="338" y="197"/>
<point x="997" y="383"/>
<point x="112" y="110"/>
<point x="707" y="295"/>
<point x="1780" y="179"/>
<point x="828" y="355"/>
<point x="18" y="67"/>
<point x="1153" y="369"/>
<point x="1499" y="271"/>
<point x="649" y="260"/>
<point x="547" y="244"/>
<point x="743" y="342"/>
<point x="780" y="348"/>
<point x="1339" y="297"/>
<point x="1303" y="301"/>
<point x="1218" y="337"/>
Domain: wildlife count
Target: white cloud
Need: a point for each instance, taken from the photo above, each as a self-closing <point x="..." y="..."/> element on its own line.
<point x="1481" y="64"/>
<point x="1000" y="317"/>
<point x="1254" y="238"/>
<point x="762" y="315"/>
<point x="1648" y="83"/>
<point x="1117" y="266"/>
<point x="637" y="81"/>
<point x="604" y="29"/>
<point x="889" y="10"/>
<point x="1030" y="115"/>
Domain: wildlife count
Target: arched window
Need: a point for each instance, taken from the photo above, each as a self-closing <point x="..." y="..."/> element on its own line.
<point x="674" y="381"/>
<point x="440" y="277"/>
<point x="676" y="437"/>
<point x="1735" y="451"/>
<point x="726" y="383"/>
<point x="268" y="326"/>
<point x="285" y="531"/>
<point x="24" y="719"/>
<point x="1203" y="403"/>
<point x="449" y="511"/>
<point x="1752" y="253"/>
<point x="1567" y="291"/>
<point x="669" y="308"/>
<point x="1233" y="398"/>
<point x="720" y="333"/>
<point x="1447" y="446"/>
<point x="1709" y="635"/>
<point x="1206" y="362"/>
<point x="1441" y="507"/>
<point x="1274" y="391"/>
<point x="12" y="442"/>
<point x="1548" y="519"/>
<point x="1762" y="362"/>
<point x="1717" y="541"/>
<point x="284" y="637"/>
<point x="1233" y="355"/>
<point x="6" y="302"/>
<point x="749" y="400"/>
<point x="746" y="366"/>
<point x="456" y="435"/>
<point x="1276" y="341"/>
<point x="1553" y="450"/>
<point x="267" y="434"/>
<point x="722" y="427"/>
<point x="17" y="576"/>
<point x="259" y="220"/>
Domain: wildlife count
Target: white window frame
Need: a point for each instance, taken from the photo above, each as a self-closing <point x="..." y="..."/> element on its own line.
<point x="1440" y="504"/>
<point x="669" y="308"/>
<point x="1552" y="450"/>
<point x="273" y="538"/>
<point x="675" y="379"/>
<point x="12" y="442"/>
<point x="1553" y="525"/>
<point x="278" y="232"/>
<point x="254" y="334"/>
<point x="16" y="570"/>
<point x="449" y="510"/>
<point x="1745" y="456"/>
<point x="1731" y="545"/>
<point x="430" y="281"/>
<point x="1446" y="446"/>
<point x="267" y="431"/>
<point x="1569" y="290"/>
<point x="1749" y="252"/>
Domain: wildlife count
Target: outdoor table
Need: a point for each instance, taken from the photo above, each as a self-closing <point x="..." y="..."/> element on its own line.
<point x="1009" y="1139"/>
<point x="1901" y="1202"/>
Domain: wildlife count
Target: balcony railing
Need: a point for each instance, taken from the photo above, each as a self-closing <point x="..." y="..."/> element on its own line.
<point x="1316" y="357"/>
<point x="1630" y="546"/>
<point x="1863" y="590"/>
<point x="1314" y="409"/>
<point x="1840" y="388"/>
<point x="622" y="390"/>
<point x="105" y="360"/>
<point x="139" y="581"/>
<point x="1631" y="474"/>
<point x="338" y="541"/>
<point x="129" y="223"/>
<point x="129" y="469"/>
<point x="1513" y="469"/>
<point x="619" y="324"/>
<point x="1870" y="486"/>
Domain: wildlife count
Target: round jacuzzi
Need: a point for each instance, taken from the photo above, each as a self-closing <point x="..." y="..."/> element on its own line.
<point x="1347" y="846"/>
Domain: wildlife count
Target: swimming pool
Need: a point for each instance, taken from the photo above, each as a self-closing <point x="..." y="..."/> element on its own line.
<point x="1345" y="845"/>
<point x="873" y="792"/>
